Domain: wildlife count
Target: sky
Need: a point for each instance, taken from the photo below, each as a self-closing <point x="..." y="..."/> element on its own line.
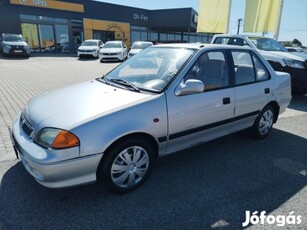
<point x="293" y="21"/>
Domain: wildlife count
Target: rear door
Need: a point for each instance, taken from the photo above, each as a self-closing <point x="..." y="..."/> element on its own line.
<point x="253" y="87"/>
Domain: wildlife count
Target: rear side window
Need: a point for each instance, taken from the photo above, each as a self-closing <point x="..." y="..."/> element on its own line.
<point x="248" y="68"/>
<point x="239" y="42"/>
<point x="261" y="72"/>
<point x="244" y="68"/>
<point x="220" y="40"/>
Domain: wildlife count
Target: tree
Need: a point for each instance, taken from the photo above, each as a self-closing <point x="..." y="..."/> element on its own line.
<point x="296" y="42"/>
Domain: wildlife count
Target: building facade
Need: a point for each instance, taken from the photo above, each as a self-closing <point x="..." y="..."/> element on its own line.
<point x="61" y="26"/>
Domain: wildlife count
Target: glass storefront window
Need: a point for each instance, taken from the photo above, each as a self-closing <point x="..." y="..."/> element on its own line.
<point x="135" y="36"/>
<point x="29" y="33"/>
<point x="60" y="20"/>
<point x="163" y="37"/>
<point x="43" y="18"/>
<point x="144" y="36"/>
<point x="28" y="17"/>
<point x="46" y="38"/>
<point x="153" y="36"/>
<point x="62" y="39"/>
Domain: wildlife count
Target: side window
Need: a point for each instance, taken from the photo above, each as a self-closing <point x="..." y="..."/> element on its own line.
<point x="220" y="40"/>
<point x="239" y="42"/>
<point x="261" y="72"/>
<point x="244" y="68"/>
<point x="211" y="69"/>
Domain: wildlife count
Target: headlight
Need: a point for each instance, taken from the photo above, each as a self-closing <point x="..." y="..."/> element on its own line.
<point x="56" y="139"/>
<point x="7" y="48"/>
<point x="294" y="64"/>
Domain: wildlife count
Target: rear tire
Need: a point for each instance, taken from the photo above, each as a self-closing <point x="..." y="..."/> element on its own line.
<point x="126" y="165"/>
<point x="264" y="122"/>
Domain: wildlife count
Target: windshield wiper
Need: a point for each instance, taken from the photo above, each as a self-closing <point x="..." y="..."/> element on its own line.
<point x="125" y="83"/>
<point x="105" y="78"/>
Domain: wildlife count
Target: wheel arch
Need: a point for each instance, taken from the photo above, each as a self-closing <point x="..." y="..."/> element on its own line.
<point x="153" y="142"/>
<point x="276" y="108"/>
<point x="139" y="135"/>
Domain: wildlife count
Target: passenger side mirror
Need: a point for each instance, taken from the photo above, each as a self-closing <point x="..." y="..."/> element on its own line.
<point x="191" y="86"/>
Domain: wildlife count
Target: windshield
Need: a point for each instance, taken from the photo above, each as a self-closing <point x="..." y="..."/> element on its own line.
<point x="140" y="45"/>
<point x="89" y="43"/>
<point x="267" y="44"/>
<point x="112" y="45"/>
<point x="153" y="68"/>
<point x="12" y="38"/>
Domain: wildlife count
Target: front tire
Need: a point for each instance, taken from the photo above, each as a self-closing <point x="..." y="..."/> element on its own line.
<point x="126" y="165"/>
<point x="264" y="122"/>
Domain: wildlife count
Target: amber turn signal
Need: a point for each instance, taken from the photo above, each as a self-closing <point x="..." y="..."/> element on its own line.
<point x="65" y="139"/>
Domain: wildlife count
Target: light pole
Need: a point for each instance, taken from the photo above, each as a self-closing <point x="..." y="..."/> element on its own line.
<point x="239" y="24"/>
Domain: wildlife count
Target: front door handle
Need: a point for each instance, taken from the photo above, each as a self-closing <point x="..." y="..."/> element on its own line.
<point x="226" y="100"/>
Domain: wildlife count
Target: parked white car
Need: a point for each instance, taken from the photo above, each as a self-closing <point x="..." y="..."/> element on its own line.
<point x="113" y="51"/>
<point x="169" y="98"/>
<point x="298" y="51"/>
<point x="90" y="47"/>
<point x="137" y="47"/>
<point x="277" y="55"/>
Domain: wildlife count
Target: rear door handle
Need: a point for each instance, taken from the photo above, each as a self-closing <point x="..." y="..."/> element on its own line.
<point x="267" y="90"/>
<point x="226" y="100"/>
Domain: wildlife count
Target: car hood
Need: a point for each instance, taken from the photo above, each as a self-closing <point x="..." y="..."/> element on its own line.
<point x="135" y="51"/>
<point x="302" y="55"/>
<point x="281" y="55"/>
<point x="111" y="50"/>
<point x="15" y="43"/>
<point x="88" y="47"/>
<point x="70" y="106"/>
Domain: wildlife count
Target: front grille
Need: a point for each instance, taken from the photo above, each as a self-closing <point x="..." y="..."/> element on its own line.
<point x="18" y="47"/>
<point x="25" y="125"/>
<point x="109" y="54"/>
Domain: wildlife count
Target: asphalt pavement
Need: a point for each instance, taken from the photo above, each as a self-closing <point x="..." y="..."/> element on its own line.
<point x="210" y="186"/>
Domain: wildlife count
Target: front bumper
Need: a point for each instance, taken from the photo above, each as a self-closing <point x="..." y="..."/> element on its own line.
<point x="111" y="56"/>
<point x="87" y="53"/>
<point x="298" y="78"/>
<point x="43" y="165"/>
<point x="17" y="51"/>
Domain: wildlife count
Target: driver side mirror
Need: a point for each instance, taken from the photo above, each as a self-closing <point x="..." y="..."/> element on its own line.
<point x="191" y="86"/>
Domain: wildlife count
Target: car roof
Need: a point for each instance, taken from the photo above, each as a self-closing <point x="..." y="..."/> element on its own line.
<point x="239" y="35"/>
<point x="203" y="45"/>
<point x="114" y="42"/>
<point x="142" y="42"/>
<point x="92" y="40"/>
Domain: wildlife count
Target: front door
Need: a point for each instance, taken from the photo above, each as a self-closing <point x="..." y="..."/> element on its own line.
<point x="201" y="117"/>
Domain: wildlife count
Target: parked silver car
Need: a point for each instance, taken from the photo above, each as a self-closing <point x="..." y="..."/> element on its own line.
<point x="165" y="99"/>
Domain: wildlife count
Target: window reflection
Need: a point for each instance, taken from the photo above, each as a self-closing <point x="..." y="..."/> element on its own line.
<point x="46" y="38"/>
<point x="62" y="39"/>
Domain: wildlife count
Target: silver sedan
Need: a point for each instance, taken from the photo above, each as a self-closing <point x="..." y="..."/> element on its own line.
<point x="165" y="99"/>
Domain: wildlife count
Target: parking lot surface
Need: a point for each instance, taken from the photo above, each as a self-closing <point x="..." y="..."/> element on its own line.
<point x="206" y="187"/>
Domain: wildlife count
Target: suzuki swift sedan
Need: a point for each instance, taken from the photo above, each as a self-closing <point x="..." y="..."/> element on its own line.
<point x="165" y="99"/>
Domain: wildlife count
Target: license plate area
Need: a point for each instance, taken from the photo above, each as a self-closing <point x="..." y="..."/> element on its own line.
<point x="14" y="143"/>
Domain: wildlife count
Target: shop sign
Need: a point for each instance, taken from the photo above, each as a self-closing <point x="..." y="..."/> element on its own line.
<point x="50" y="4"/>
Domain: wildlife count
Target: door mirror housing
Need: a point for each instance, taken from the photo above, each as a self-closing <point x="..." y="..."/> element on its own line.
<point x="191" y="86"/>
